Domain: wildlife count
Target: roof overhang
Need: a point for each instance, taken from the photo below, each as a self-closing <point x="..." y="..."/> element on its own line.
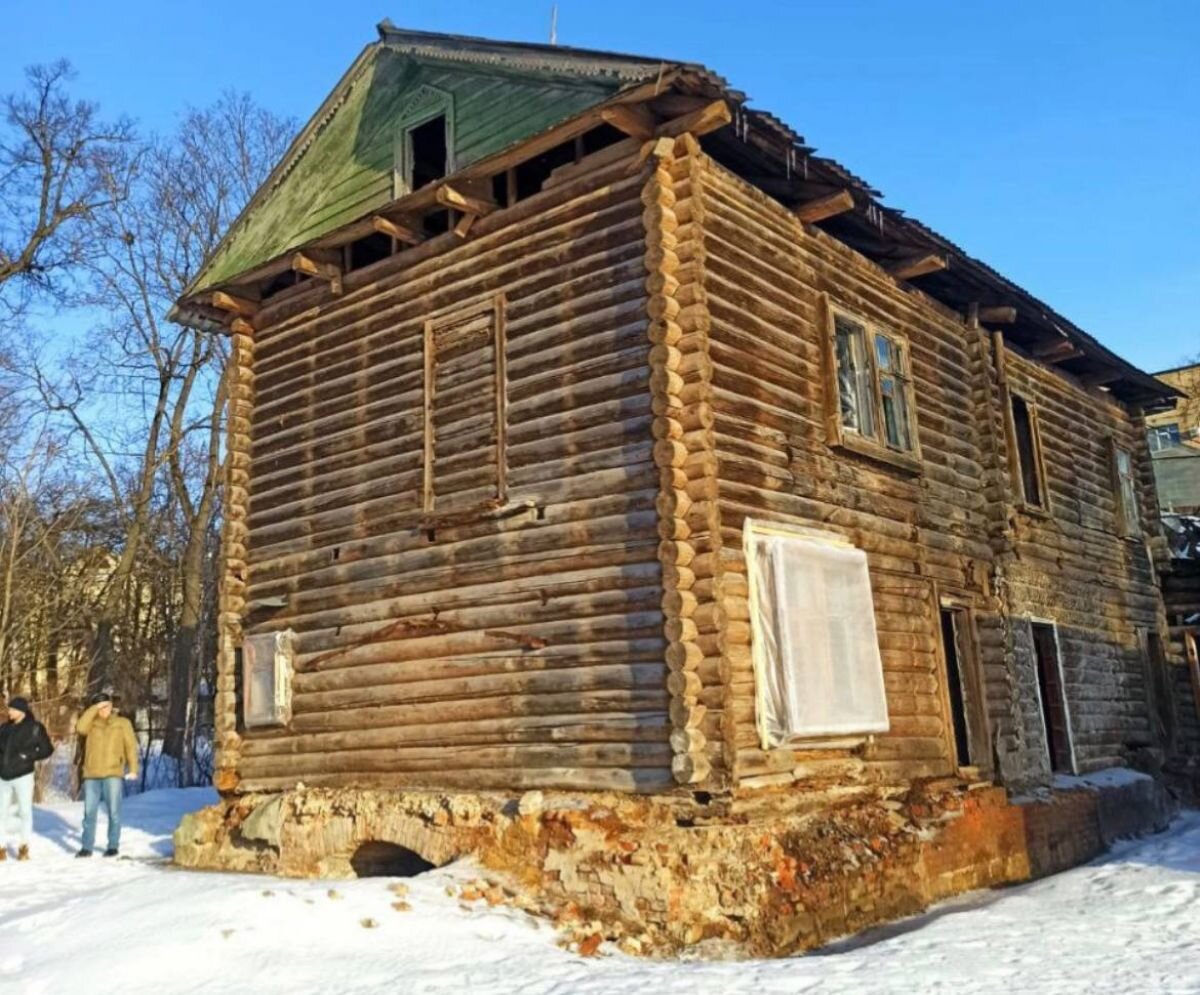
<point x="772" y="156"/>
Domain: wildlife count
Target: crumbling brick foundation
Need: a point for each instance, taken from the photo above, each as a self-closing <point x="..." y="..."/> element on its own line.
<point x="659" y="875"/>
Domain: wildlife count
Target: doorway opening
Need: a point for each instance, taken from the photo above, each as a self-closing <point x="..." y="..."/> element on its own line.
<point x="1055" y="719"/>
<point x="965" y="749"/>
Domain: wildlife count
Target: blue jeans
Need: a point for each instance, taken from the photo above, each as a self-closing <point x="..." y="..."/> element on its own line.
<point x="113" y="790"/>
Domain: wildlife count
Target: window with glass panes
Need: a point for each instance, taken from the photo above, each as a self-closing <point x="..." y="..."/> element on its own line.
<point x="874" y="384"/>
<point x="1163" y="436"/>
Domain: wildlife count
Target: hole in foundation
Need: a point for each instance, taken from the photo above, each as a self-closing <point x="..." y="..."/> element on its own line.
<point x="337" y="551"/>
<point x="431" y="534"/>
<point x="376" y="859"/>
<point x="702" y="797"/>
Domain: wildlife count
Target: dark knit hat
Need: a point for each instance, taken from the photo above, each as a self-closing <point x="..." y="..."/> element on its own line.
<point x="101" y="696"/>
<point x="20" y="704"/>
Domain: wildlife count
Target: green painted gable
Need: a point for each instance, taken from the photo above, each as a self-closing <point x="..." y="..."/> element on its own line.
<point x="342" y="168"/>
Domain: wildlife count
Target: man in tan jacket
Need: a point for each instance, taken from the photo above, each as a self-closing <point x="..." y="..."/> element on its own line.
<point x="110" y="755"/>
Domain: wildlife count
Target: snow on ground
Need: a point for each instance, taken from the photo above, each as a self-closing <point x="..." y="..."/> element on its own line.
<point x="1127" y="923"/>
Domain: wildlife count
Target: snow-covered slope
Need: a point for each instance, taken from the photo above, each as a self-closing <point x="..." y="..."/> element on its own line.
<point x="1129" y="923"/>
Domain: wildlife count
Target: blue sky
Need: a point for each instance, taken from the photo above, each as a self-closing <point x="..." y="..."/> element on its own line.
<point x="1057" y="140"/>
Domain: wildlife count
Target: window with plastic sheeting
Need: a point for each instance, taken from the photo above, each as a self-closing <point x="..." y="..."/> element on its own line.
<point x="267" y="679"/>
<point x="817" y="667"/>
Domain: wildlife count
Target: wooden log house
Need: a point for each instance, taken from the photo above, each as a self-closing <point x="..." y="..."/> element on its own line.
<point x="589" y="431"/>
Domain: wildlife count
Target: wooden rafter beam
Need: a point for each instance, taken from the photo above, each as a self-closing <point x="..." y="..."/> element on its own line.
<point x="463" y="228"/>
<point x="635" y="120"/>
<point x="234" y="304"/>
<point x="1101" y="378"/>
<point x="914" y="266"/>
<point x="240" y="326"/>
<point x="321" y="265"/>
<point x="998" y="315"/>
<point x="713" y="115"/>
<point x="1056" y="350"/>
<point x="452" y="196"/>
<point x="820" y="208"/>
<point x="395" y="229"/>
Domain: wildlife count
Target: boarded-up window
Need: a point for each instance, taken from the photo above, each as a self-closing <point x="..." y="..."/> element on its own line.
<point x="818" y="671"/>
<point x="1125" y="488"/>
<point x="267" y="679"/>
<point x="1029" y="453"/>
<point x="465" y="408"/>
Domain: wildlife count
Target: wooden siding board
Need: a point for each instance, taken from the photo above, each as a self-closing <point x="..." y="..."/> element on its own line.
<point x="347" y="168"/>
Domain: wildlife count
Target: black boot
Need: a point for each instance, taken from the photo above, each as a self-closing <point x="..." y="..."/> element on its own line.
<point x="83" y="853"/>
<point x="111" y="852"/>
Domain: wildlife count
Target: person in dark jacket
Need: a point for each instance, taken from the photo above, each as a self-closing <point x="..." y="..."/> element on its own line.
<point x="23" y="742"/>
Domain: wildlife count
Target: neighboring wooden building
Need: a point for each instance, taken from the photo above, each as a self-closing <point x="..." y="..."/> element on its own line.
<point x="588" y="431"/>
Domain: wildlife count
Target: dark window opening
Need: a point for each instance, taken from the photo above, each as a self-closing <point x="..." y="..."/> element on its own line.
<point x="1159" y="690"/>
<point x="601" y="138"/>
<point x="427" y="152"/>
<point x="367" y="250"/>
<point x="1026" y="440"/>
<point x="955" y="687"/>
<point x="374" y="859"/>
<point x="1054" y="709"/>
<point x="239" y="691"/>
<point x="436" y="222"/>
<point x="500" y="189"/>
<point x="532" y="173"/>
<point x="282" y="282"/>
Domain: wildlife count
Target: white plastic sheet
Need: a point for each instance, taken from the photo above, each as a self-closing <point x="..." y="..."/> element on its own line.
<point x="817" y="667"/>
<point x="267" y="679"/>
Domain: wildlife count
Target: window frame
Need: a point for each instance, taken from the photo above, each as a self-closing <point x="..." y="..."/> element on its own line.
<point x="1126" y="508"/>
<point x="1015" y="463"/>
<point x="1154" y="437"/>
<point x="1068" y="725"/>
<point x="426" y="104"/>
<point x="838" y="433"/>
<point x="280" y="665"/>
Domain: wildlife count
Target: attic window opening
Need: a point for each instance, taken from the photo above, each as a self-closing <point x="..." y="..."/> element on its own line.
<point x="601" y="138"/>
<point x="282" y="282"/>
<point x="368" y="250"/>
<point x="427" y="152"/>
<point x="533" y="173"/>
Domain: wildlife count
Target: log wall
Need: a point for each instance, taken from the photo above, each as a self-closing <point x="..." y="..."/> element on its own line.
<point x="666" y="379"/>
<point x="515" y="647"/>
<point x="948" y="528"/>
<point x="925" y="533"/>
<point x="1070" y="565"/>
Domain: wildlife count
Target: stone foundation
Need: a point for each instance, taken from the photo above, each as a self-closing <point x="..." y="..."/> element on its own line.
<point x="768" y="876"/>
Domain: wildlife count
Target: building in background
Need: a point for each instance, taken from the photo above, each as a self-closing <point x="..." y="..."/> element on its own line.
<point x="1174" y="439"/>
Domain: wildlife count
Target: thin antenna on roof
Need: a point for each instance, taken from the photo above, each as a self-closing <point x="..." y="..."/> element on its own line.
<point x="554" y="24"/>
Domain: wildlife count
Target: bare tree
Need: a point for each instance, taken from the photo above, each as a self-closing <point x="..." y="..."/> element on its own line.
<point x="59" y="164"/>
<point x="165" y="381"/>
